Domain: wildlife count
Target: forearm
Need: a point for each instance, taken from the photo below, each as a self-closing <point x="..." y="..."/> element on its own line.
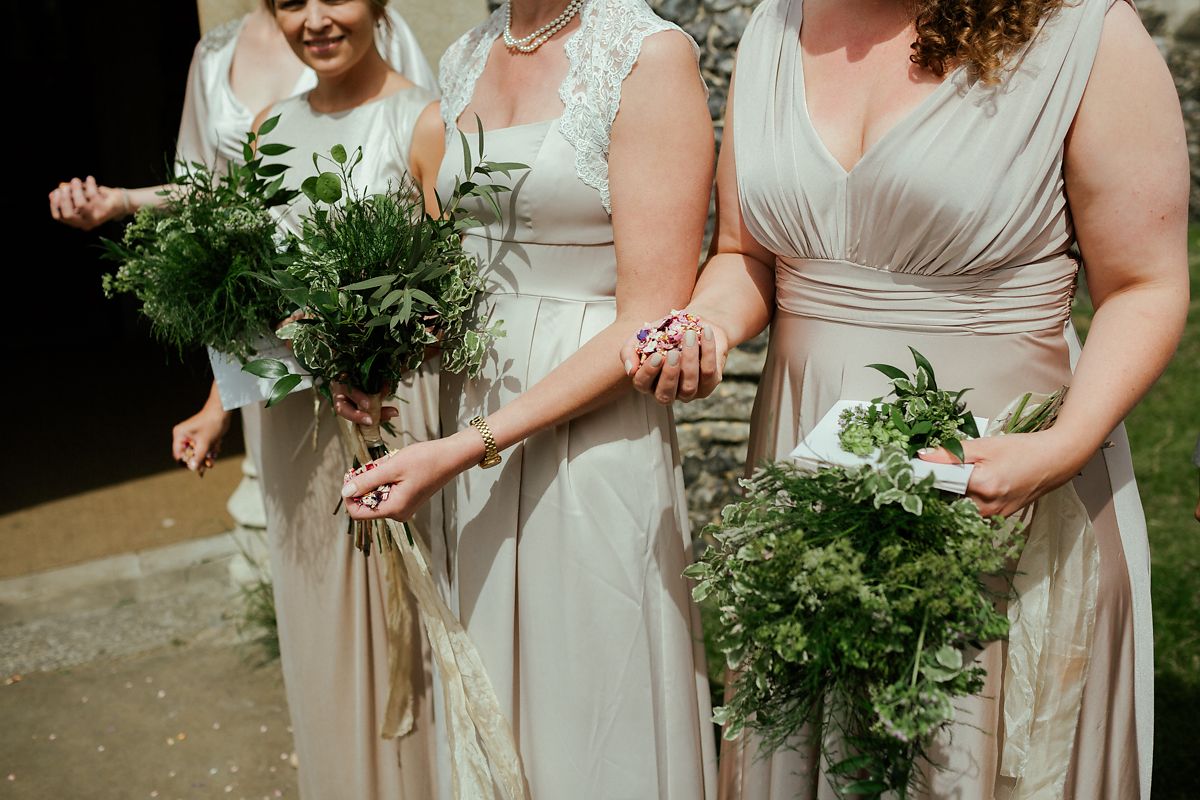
<point x="145" y="197"/>
<point x="587" y="380"/>
<point x="737" y="293"/>
<point x="1132" y="337"/>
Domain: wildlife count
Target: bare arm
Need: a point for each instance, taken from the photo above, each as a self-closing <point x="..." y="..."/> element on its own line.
<point x="425" y="153"/>
<point x="1127" y="184"/>
<point x="734" y="297"/>
<point x="660" y="171"/>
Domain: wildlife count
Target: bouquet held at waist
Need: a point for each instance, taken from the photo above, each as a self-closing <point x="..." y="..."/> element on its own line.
<point x="381" y="283"/>
<point x="853" y="592"/>
<point x="199" y="263"/>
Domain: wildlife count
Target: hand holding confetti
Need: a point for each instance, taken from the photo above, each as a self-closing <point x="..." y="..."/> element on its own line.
<point x="666" y="334"/>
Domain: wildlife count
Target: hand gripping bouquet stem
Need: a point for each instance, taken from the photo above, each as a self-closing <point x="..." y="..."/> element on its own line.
<point x="852" y="599"/>
<point x="201" y="263"/>
<point x="380" y="284"/>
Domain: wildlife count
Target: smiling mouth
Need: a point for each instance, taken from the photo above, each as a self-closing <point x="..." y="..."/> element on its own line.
<point x="324" y="43"/>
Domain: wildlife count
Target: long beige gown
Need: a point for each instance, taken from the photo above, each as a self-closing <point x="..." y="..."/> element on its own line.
<point x="952" y="234"/>
<point x="565" y="562"/>
<point x="329" y="599"/>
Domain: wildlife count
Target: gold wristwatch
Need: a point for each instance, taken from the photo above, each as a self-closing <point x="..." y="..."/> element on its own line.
<point x="491" y="456"/>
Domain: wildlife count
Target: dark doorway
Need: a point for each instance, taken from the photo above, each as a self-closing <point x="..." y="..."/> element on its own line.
<point x="89" y="397"/>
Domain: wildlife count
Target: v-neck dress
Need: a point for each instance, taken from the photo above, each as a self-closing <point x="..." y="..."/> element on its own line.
<point x="952" y="235"/>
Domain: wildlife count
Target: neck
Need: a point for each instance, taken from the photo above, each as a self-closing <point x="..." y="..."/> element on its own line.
<point x="528" y="15"/>
<point x="359" y="84"/>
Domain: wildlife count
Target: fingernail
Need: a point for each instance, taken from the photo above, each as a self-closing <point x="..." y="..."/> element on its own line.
<point x="656" y="359"/>
<point x="673" y="357"/>
<point x="350" y="489"/>
<point x="628" y="366"/>
<point x="689" y="339"/>
<point x="708" y="334"/>
<point x="367" y="421"/>
<point x="926" y="451"/>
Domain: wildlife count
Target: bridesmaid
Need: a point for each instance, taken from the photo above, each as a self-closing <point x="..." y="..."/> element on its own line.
<point x="340" y="660"/>
<point x="891" y="180"/>
<point x="237" y="69"/>
<point x="564" y="558"/>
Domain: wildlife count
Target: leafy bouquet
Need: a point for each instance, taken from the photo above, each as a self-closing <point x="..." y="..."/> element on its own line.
<point x="851" y="597"/>
<point x="198" y="263"/>
<point x="380" y="282"/>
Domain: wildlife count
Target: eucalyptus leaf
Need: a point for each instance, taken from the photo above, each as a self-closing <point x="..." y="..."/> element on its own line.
<point x="338" y="153"/>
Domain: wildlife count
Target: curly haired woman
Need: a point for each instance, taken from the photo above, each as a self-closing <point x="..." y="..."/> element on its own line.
<point x="921" y="173"/>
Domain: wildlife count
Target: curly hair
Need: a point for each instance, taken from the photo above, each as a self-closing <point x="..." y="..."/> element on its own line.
<point x="981" y="34"/>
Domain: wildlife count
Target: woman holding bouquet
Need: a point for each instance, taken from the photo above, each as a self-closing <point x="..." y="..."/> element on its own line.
<point x="330" y="602"/>
<point x="564" y="558"/>
<point x="893" y="179"/>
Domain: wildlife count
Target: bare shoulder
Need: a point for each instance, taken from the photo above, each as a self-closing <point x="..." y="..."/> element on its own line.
<point x="429" y="125"/>
<point x="1125" y="41"/>
<point x="666" y="52"/>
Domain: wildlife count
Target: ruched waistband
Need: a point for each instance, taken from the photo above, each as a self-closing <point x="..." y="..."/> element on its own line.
<point x="1025" y="298"/>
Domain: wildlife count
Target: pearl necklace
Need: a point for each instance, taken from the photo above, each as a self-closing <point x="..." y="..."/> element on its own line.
<point x="542" y="35"/>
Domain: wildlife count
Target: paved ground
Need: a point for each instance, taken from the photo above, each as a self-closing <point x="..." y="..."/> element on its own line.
<point x="141" y="694"/>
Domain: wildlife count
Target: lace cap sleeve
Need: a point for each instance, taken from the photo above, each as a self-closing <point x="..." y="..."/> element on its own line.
<point x="460" y="68"/>
<point x="601" y="54"/>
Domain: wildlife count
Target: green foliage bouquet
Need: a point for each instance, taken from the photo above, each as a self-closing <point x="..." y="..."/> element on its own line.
<point x="198" y="264"/>
<point x="380" y="282"/>
<point x="852" y="597"/>
<point x="848" y="599"/>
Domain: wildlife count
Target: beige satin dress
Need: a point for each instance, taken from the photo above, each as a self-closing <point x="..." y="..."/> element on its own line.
<point x="329" y="600"/>
<point x="952" y="235"/>
<point x="565" y="562"/>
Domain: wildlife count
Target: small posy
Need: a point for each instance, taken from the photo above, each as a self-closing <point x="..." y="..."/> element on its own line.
<point x="374" y="498"/>
<point x="667" y="334"/>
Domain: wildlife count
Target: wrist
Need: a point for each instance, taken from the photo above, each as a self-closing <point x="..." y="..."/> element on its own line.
<point x="467" y="448"/>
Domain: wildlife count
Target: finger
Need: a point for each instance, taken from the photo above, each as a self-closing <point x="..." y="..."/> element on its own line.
<point x="668" y="382"/>
<point x="77" y="192"/>
<point x="347" y="409"/>
<point x="689" y="367"/>
<point x="66" y="203"/>
<point x="389" y="412"/>
<point x="647" y="373"/>
<point x="369" y="479"/>
<point x="940" y="455"/>
<point x="709" y="368"/>
<point x="363" y="401"/>
<point x="91" y="189"/>
<point x="54" y="203"/>
<point x="179" y="443"/>
<point x="628" y="356"/>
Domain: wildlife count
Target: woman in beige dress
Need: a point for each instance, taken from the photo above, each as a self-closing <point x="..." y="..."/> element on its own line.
<point x="563" y="561"/>
<point x="868" y="203"/>
<point x="330" y="602"/>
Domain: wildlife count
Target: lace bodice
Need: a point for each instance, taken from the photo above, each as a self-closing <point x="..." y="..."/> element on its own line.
<point x="600" y="55"/>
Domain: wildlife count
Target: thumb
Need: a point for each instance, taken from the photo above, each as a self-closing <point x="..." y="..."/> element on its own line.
<point x="365" y="479"/>
<point x="940" y="455"/>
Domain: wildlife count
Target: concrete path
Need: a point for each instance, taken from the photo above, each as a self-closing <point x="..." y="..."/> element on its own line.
<point x="139" y="686"/>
